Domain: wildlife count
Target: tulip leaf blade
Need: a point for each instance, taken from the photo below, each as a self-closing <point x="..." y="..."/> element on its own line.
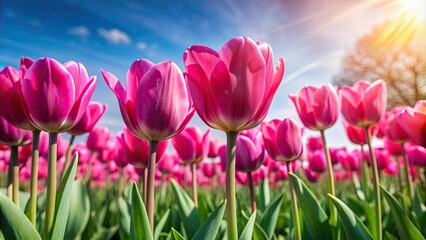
<point x="210" y="227"/>
<point x="63" y="201"/>
<point x="265" y="194"/>
<point x="14" y="223"/>
<point x="139" y="223"/>
<point x="247" y="232"/>
<point x="79" y="212"/>
<point x="187" y="210"/>
<point x="124" y="213"/>
<point x="406" y="228"/>
<point x="176" y="235"/>
<point x="160" y="225"/>
<point x="353" y="226"/>
<point x="270" y="215"/>
<point x="314" y="216"/>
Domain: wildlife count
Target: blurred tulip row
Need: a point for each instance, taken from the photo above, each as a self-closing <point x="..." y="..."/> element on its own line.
<point x="161" y="179"/>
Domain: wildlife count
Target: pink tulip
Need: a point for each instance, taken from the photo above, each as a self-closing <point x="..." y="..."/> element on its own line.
<point x="98" y="138"/>
<point x="391" y="168"/>
<point x="283" y="139"/>
<point x="137" y="150"/>
<point x="317" y="161"/>
<point x="364" y="104"/>
<point x="214" y="148"/>
<point x="56" y="95"/>
<point x="233" y="88"/>
<point x="417" y="156"/>
<point x="318" y="108"/>
<point x="350" y="161"/>
<point x="314" y="143"/>
<point x="156" y="105"/>
<point x="392" y="127"/>
<point x="13" y="136"/>
<point x="90" y="117"/>
<point x="311" y="175"/>
<point x="413" y="122"/>
<point x="393" y="148"/>
<point x="83" y="152"/>
<point x="11" y="91"/>
<point x="192" y="145"/>
<point x="251" y="152"/>
<point x="167" y="162"/>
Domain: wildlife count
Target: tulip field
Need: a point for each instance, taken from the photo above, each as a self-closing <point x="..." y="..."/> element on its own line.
<point x="62" y="176"/>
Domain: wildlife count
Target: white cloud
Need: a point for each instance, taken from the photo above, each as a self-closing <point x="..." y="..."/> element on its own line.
<point x="115" y="36"/>
<point x="81" y="31"/>
<point x="141" y="45"/>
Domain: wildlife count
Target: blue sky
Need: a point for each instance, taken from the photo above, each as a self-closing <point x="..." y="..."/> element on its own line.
<point x="311" y="36"/>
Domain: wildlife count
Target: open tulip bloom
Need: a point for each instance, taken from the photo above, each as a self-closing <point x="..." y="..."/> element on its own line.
<point x="232" y="91"/>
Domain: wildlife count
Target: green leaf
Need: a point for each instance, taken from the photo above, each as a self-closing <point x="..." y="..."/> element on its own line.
<point x="160" y="225"/>
<point x="406" y="228"/>
<point x="63" y="199"/>
<point x="390" y="236"/>
<point x="104" y="233"/>
<point x="248" y="229"/>
<point x="139" y="227"/>
<point x="124" y="212"/>
<point x="176" y="235"/>
<point x="354" y="227"/>
<point x="187" y="210"/>
<point x="270" y="216"/>
<point x="79" y="212"/>
<point x="314" y="216"/>
<point x="13" y="222"/>
<point x="209" y="229"/>
<point x="265" y="194"/>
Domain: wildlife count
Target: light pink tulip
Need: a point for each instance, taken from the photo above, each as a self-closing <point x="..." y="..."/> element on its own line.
<point x="233" y="88"/>
<point x="413" y="122"/>
<point x="318" y="108"/>
<point x="364" y="104"/>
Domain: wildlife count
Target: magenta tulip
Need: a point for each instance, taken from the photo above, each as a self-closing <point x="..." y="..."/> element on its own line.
<point x="314" y="143"/>
<point x="413" y="122"/>
<point x="90" y="117"/>
<point x="417" y="156"/>
<point x="392" y="127"/>
<point x="317" y="161"/>
<point x="98" y="138"/>
<point x="214" y="148"/>
<point x="192" y="145"/>
<point x="13" y="136"/>
<point x="318" y="108"/>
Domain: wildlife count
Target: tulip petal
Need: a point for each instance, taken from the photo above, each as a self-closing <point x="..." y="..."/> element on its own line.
<point x="79" y="74"/>
<point x="136" y="71"/>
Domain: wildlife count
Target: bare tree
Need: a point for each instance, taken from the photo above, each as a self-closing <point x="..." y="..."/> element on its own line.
<point x="393" y="52"/>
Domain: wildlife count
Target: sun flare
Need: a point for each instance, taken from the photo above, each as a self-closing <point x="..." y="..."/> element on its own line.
<point x="416" y="7"/>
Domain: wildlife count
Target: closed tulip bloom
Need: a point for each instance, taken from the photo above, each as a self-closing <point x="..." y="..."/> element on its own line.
<point x="11" y="91"/>
<point x="413" y="122"/>
<point x="214" y="148"/>
<point x="417" y="156"/>
<point x="192" y="145"/>
<point x="137" y="150"/>
<point x="167" y="162"/>
<point x="318" y="108"/>
<point x="350" y="161"/>
<point x="364" y="104"/>
<point x="317" y="161"/>
<point x="311" y="175"/>
<point x="283" y="139"/>
<point x="90" y="117"/>
<point x="98" y="138"/>
<point x="57" y="94"/>
<point x="233" y="88"/>
<point x="314" y="143"/>
<point x="392" y="127"/>
<point x="156" y="104"/>
<point x="12" y="136"/>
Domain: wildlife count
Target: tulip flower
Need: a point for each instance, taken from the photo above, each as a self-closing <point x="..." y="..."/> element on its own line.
<point x="283" y="141"/>
<point x="155" y="106"/>
<point x="413" y="122"/>
<point x="192" y="146"/>
<point x="57" y="96"/>
<point x="363" y="105"/>
<point x="318" y="109"/>
<point x="232" y="91"/>
<point x="17" y="113"/>
<point x="317" y="161"/>
<point x="12" y="136"/>
<point x="94" y="112"/>
<point x="214" y="148"/>
<point x="417" y="156"/>
<point x="314" y="143"/>
<point x="249" y="157"/>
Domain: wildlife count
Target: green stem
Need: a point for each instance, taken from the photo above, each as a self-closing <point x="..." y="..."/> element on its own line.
<point x="194" y="183"/>
<point x="32" y="215"/>
<point x="88" y="174"/>
<point x="150" y="205"/>
<point x="120" y="182"/>
<point x="15" y="174"/>
<point x="251" y="191"/>
<point x="231" y="205"/>
<point x="407" y="174"/>
<point x="376" y="184"/>
<point x="297" y="231"/>
<point x="68" y="156"/>
<point x="10" y="178"/>
<point x="51" y="182"/>
<point x="145" y="183"/>
<point x="330" y="177"/>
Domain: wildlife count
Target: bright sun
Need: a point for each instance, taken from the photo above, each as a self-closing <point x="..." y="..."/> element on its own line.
<point x="415" y="7"/>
